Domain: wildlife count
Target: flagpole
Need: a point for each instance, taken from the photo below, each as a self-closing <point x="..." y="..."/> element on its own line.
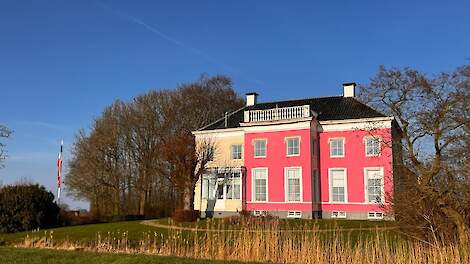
<point x="59" y="170"/>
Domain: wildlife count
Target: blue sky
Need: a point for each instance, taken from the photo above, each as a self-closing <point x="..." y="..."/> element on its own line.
<point x="62" y="62"/>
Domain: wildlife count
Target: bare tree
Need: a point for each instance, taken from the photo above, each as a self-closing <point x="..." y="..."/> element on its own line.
<point x="4" y="133"/>
<point x="140" y="156"/>
<point x="432" y="194"/>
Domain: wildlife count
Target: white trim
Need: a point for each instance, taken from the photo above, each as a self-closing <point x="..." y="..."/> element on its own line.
<point x="330" y="185"/>
<point x="344" y="147"/>
<point x="356" y="203"/>
<point x="253" y="187"/>
<point x="285" y="185"/>
<point x="366" y="187"/>
<point x="286" y="139"/>
<point x="225" y="132"/>
<point x="356" y="124"/>
<point x="278" y="127"/>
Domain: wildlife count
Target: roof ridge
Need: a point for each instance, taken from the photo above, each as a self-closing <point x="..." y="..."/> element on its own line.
<point x="222" y="118"/>
<point x="299" y="99"/>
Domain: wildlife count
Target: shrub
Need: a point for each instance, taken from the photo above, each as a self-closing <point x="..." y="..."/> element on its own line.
<point x="181" y="215"/>
<point x="26" y="207"/>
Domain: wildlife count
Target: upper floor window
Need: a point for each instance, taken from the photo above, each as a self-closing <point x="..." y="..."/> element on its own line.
<point x="337" y="147"/>
<point x="293" y="146"/>
<point x="236" y="152"/>
<point x="260" y="147"/>
<point x="293" y="183"/>
<point x="338" y="185"/>
<point x="372" y="146"/>
<point x="374" y="185"/>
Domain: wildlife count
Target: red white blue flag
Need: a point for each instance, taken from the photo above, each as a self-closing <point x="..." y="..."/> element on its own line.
<point x="59" y="169"/>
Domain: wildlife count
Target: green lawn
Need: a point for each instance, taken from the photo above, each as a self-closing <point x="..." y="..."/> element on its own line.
<point x="136" y="229"/>
<point x="39" y="256"/>
<point x="85" y="233"/>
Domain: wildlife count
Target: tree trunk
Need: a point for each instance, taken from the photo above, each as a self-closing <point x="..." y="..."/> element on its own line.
<point x="188" y="197"/>
<point x="462" y="230"/>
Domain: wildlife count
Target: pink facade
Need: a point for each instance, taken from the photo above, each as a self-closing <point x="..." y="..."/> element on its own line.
<point x="276" y="161"/>
<point x="354" y="161"/>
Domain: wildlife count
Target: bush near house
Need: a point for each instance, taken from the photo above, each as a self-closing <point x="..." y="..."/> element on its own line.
<point x="27" y="207"/>
<point x="183" y="215"/>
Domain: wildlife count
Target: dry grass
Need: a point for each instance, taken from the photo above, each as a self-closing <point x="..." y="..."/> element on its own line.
<point x="268" y="243"/>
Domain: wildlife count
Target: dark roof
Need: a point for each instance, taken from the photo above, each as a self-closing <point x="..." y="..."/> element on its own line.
<point x="327" y="108"/>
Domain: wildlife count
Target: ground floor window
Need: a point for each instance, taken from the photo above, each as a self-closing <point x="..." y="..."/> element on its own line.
<point x="225" y="185"/>
<point x="374" y="185"/>
<point x="293" y="182"/>
<point x="260" y="184"/>
<point x="338" y="185"/>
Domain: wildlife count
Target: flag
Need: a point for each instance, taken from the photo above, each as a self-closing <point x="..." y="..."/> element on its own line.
<point x="59" y="169"/>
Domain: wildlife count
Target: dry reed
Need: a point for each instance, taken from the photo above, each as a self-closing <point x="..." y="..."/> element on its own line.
<point x="268" y="243"/>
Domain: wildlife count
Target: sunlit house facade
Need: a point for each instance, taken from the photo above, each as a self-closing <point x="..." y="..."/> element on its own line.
<point x="328" y="157"/>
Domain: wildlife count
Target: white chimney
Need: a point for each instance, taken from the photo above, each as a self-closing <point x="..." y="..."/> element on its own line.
<point x="251" y="99"/>
<point x="349" y="89"/>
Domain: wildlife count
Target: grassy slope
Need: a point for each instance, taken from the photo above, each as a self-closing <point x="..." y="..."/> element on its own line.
<point x="135" y="229"/>
<point x="89" y="232"/>
<point x="39" y="256"/>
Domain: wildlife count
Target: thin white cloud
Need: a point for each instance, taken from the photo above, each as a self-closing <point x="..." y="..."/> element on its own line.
<point x="168" y="38"/>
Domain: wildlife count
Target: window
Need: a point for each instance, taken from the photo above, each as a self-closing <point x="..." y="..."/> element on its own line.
<point x="294" y="214"/>
<point x="208" y="187"/>
<point x="293" y="182"/>
<point x="228" y="186"/>
<point x="337" y="147"/>
<point x="338" y="214"/>
<point x="372" y="146"/>
<point x="375" y="215"/>
<point x="260" y="185"/>
<point x="338" y="185"/>
<point x="374" y="185"/>
<point x="260" y="213"/>
<point x="236" y="152"/>
<point x="293" y="146"/>
<point x="260" y="148"/>
<point x="210" y="153"/>
<point x="233" y="189"/>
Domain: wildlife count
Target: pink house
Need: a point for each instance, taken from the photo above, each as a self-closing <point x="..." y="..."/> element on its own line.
<point x="328" y="157"/>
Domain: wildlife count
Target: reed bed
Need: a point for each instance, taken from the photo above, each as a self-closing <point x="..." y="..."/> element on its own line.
<point x="267" y="242"/>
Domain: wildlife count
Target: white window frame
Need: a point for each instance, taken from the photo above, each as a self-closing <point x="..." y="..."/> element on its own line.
<point x="366" y="138"/>
<point x="232" y="152"/>
<point x="330" y="185"/>
<point x="343" y="140"/>
<point x="260" y="213"/>
<point x="294" y="214"/>
<point x="286" y="189"/>
<point x="286" y="141"/>
<point x="253" y="187"/>
<point x="265" y="147"/>
<point x="338" y="214"/>
<point x="366" y="187"/>
<point x="375" y="215"/>
<point x="233" y="192"/>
